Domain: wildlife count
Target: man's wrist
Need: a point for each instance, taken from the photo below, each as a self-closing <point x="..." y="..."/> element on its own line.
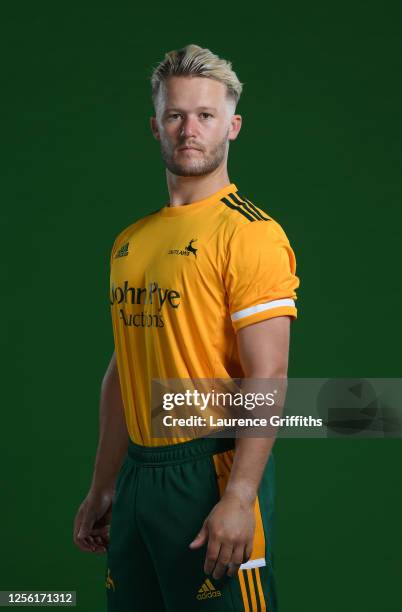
<point x="243" y="492"/>
<point x="99" y="489"/>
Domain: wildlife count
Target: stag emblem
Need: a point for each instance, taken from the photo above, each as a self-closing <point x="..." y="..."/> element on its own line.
<point x="190" y="247"/>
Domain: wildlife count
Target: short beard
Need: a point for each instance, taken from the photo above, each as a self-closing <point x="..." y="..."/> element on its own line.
<point x="199" y="167"/>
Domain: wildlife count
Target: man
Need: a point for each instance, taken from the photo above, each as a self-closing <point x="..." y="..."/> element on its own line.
<point x="202" y="288"/>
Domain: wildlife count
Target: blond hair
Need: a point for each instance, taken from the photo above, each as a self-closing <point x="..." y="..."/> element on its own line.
<point x="192" y="60"/>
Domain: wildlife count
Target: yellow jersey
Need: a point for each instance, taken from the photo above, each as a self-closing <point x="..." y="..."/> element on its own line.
<point x="183" y="281"/>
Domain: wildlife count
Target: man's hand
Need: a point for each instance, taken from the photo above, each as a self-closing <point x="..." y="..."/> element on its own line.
<point x="229" y="531"/>
<point x="92" y="522"/>
<point x="91" y="525"/>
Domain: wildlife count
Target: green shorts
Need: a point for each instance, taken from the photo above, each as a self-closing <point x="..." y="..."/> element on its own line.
<point x="163" y="495"/>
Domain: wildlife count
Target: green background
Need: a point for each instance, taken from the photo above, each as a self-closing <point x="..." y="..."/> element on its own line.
<point x="320" y="150"/>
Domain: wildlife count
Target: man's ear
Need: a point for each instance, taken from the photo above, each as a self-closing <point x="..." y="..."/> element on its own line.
<point x="154" y="128"/>
<point x="235" y="126"/>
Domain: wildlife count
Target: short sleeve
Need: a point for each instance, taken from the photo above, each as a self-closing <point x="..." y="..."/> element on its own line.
<point x="260" y="275"/>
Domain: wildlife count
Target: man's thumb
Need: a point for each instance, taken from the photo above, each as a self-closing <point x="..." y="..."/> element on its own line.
<point x="201" y="538"/>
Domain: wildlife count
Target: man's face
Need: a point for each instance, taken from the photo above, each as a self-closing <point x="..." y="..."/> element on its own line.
<point x="194" y="123"/>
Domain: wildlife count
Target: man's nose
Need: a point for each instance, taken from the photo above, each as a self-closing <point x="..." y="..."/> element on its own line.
<point x="189" y="127"/>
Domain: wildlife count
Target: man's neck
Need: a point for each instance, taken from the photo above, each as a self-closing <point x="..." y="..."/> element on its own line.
<point x="187" y="189"/>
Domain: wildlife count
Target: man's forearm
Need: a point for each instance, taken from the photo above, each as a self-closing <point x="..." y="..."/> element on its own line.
<point x="249" y="462"/>
<point x="252" y="453"/>
<point x="113" y="436"/>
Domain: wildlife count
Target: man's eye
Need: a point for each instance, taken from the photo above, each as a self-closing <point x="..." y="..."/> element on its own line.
<point x="205" y="115"/>
<point x="174" y="116"/>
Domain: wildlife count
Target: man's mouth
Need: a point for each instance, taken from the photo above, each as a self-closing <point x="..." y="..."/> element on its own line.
<point x="189" y="148"/>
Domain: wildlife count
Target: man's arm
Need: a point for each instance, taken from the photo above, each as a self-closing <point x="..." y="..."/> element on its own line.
<point x="91" y="525"/>
<point x="229" y="528"/>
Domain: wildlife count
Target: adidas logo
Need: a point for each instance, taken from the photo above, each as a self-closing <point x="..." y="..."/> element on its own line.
<point x="109" y="581"/>
<point x="123" y="251"/>
<point x="207" y="591"/>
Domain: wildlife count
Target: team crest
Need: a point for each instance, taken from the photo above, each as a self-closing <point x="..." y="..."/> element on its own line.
<point x="188" y="250"/>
